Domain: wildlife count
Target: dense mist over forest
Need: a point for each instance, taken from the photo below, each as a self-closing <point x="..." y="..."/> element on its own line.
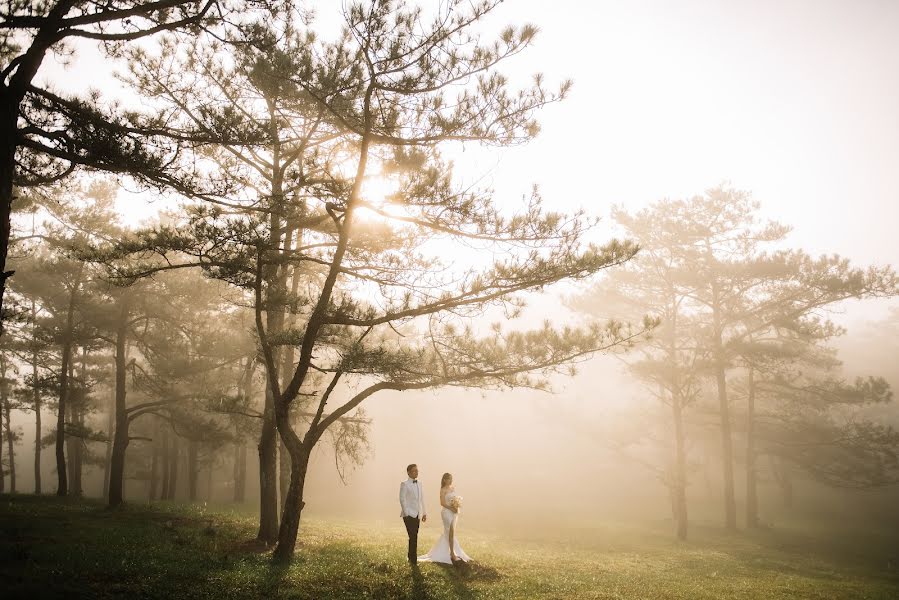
<point x="266" y="263"/>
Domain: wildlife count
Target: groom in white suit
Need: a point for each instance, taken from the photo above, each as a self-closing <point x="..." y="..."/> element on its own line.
<point x="412" y="505"/>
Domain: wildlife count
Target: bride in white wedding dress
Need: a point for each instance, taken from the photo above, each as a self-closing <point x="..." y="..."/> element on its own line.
<point x="447" y="549"/>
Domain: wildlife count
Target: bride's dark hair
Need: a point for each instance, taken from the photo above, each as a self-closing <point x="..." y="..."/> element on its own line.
<point x="445" y="479"/>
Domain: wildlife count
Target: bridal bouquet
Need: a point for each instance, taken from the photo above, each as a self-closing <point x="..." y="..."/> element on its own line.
<point x="456" y="503"/>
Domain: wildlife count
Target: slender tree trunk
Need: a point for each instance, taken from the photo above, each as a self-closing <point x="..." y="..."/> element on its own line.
<point x="275" y="292"/>
<point x="154" y="464"/>
<point x="10" y="447"/>
<point x="268" y="474"/>
<point x="235" y="471"/>
<point x="242" y="479"/>
<point x="192" y="469"/>
<point x="283" y="475"/>
<point x="78" y="410"/>
<point x="164" y="495"/>
<point x="2" y="472"/>
<point x="62" y="486"/>
<point x="70" y="451"/>
<point x="240" y="472"/>
<point x="72" y="440"/>
<point x="110" y="434"/>
<point x="209" y="483"/>
<point x="286" y="370"/>
<point x="680" y="470"/>
<point x="173" y="468"/>
<point x="10" y="438"/>
<point x="122" y="422"/>
<point x="727" y="448"/>
<point x="752" y="502"/>
<point x="36" y="400"/>
<point x="727" y="453"/>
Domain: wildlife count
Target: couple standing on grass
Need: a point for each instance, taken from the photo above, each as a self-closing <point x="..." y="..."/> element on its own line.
<point x="412" y="503"/>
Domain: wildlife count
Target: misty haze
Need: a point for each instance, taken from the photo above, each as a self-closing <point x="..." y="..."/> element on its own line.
<point x="459" y="299"/>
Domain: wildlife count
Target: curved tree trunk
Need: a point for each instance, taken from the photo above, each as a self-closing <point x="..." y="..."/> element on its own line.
<point x="9" y="109"/>
<point x="293" y="507"/>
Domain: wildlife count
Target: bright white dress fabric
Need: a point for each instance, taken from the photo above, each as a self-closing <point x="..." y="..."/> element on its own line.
<point x="440" y="552"/>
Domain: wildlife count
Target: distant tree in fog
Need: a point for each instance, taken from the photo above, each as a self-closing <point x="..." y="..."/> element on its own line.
<point x="712" y="272"/>
<point x="669" y="363"/>
<point x="805" y="417"/>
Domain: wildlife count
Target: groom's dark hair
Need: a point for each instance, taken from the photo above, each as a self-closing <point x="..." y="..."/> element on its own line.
<point x="409" y="468"/>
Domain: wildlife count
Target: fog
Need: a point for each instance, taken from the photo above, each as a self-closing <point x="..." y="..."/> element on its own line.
<point x="726" y="295"/>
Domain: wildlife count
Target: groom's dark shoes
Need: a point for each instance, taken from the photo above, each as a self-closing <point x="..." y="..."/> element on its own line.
<point x="412" y="524"/>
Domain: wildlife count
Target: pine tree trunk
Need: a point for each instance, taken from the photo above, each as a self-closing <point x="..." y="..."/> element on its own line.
<point x="293" y="508"/>
<point x="752" y="502"/>
<point x="10" y="445"/>
<point x="727" y="448"/>
<point x="164" y="495"/>
<point x="154" y="464"/>
<point x="2" y="472"/>
<point x="110" y="434"/>
<point x="283" y="475"/>
<point x="209" y="484"/>
<point x="5" y="409"/>
<point x="37" y="445"/>
<point x="727" y="452"/>
<point x="62" y="485"/>
<point x="242" y="479"/>
<point x="173" y="467"/>
<point x="78" y="408"/>
<point x="9" y="109"/>
<point x="276" y="287"/>
<point x="240" y="471"/>
<point x="36" y="400"/>
<point x="121" y="436"/>
<point x="192" y="470"/>
<point x="679" y="488"/>
<point x="72" y="440"/>
<point x="268" y="475"/>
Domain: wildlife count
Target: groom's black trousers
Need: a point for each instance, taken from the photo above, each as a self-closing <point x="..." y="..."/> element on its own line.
<point x="412" y="524"/>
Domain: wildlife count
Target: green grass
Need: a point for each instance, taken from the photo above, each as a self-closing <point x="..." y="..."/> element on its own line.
<point x="52" y="548"/>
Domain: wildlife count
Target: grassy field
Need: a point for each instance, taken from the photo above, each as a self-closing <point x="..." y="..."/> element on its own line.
<point x="51" y="548"/>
